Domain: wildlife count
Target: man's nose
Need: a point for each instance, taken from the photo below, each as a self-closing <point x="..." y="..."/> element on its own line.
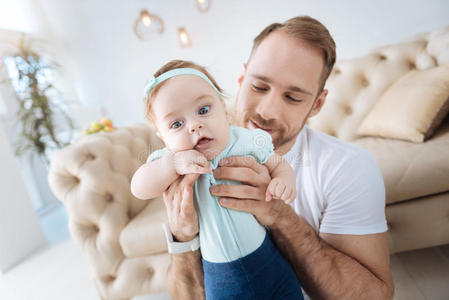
<point x="195" y="127"/>
<point x="268" y="108"/>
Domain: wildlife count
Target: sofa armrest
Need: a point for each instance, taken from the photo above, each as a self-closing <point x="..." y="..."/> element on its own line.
<point x="144" y="235"/>
<point x="92" y="178"/>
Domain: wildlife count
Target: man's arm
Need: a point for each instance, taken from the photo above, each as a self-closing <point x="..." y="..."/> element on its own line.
<point x="185" y="278"/>
<point x="334" y="265"/>
<point x="185" y="273"/>
<point x="328" y="266"/>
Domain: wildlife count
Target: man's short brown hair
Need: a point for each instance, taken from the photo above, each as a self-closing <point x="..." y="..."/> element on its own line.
<point x="306" y="29"/>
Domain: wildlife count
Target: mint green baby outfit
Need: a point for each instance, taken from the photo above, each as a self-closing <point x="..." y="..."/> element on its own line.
<point x="225" y="234"/>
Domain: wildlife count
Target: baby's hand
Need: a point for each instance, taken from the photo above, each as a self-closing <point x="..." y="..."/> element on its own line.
<point x="280" y="189"/>
<point x="189" y="162"/>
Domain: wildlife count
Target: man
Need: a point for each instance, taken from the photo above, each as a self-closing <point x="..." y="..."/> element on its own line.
<point x="334" y="234"/>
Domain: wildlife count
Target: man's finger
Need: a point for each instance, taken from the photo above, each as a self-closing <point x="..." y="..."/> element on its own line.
<point x="244" y="175"/>
<point x="200" y="170"/>
<point x="189" y="179"/>
<point x="246" y="205"/>
<point x="238" y="191"/>
<point x="187" y="207"/>
<point x="243" y="161"/>
<point x="176" y="204"/>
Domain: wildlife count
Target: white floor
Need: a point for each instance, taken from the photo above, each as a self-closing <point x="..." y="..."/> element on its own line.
<point x="60" y="271"/>
<point x="57" y="272"/>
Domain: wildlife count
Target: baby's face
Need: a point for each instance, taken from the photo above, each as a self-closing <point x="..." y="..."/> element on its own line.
<point x="189" y="115"/>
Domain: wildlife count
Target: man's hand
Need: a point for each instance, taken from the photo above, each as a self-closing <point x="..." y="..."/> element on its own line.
<point x="182" y="215"/>
<point x="250" y="195"/>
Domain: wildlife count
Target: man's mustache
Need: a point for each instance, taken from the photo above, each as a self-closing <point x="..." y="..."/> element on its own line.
<point x="263" y="123"/>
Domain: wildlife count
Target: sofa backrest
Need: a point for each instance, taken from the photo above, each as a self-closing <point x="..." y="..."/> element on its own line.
<point x="356" y="84"/>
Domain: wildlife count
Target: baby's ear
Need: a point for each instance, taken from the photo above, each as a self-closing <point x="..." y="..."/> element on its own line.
<point x="228" y="117"/>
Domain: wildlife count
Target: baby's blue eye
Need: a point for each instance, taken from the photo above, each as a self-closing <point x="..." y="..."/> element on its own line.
<point x="176" y="124"/>
<point x="204" y="110"/>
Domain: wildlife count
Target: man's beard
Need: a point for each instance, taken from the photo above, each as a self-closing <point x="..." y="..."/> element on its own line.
<point x="280" y="137"/>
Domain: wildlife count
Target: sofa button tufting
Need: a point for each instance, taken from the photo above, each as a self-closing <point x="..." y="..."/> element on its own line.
<point x="337" y="71"/>
<point x="411" y="65"/>
<point x="109" y="198"/>
<point x="382" y="57"/>
<point x="332" y="133"/>
<point x="90" y="156"/>
<point x="150" y="272"/>
<point x="95" y="228"/>
<point x="110" y="278"/>
<point x="348" y="110"/>
<point x="364" y="82"/>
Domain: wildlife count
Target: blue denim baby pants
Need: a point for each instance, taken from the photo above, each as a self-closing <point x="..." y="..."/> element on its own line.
<point x="263" y="274"/>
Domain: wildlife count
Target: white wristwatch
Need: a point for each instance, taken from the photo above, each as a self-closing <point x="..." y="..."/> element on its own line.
<point x="179" y="247"/>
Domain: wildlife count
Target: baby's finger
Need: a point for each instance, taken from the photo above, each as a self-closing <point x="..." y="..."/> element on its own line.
<point x="280" y="188"/>
<point x="286" y="195"/>
<point x="293" y="198"/>
<point x="268" y="196"/>
<point x="270" y="191"/>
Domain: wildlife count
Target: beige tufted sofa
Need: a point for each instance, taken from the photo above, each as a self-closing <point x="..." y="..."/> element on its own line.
<point x="122" y="235"/>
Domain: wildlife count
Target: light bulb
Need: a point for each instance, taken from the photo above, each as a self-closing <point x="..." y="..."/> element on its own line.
<point x="146" y="20"/>
<point x="148" y="25"/>
<point x="184" y="38"/>
<point x="203" y="5"/>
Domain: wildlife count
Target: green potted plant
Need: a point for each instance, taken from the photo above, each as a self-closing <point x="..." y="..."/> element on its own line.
<point x="44" y="124"/>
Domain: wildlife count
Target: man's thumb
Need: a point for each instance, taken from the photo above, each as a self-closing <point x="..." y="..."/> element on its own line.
<point x="189" y="179"/>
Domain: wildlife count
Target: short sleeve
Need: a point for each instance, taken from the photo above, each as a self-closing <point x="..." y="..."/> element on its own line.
<point x="355" y="197"/>
<point x="158" y="154"/>
<point x="261" y="145"/>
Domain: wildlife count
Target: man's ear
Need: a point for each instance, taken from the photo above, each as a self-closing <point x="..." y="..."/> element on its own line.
<point x="242" y="75"/>
<point x="319" y="102"/>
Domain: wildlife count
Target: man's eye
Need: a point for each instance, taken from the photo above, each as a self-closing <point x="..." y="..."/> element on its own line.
<point x="293" y="99"/>
<point x="259" y="88"/>
<point x="204" y="110"/>
<point x="176" y="124"/>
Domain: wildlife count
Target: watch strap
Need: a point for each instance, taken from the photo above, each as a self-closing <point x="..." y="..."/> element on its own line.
<point x="179" y="247"/>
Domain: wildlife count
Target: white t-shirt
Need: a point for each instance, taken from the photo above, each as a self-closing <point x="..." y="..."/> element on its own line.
<point x="340" y="188"/>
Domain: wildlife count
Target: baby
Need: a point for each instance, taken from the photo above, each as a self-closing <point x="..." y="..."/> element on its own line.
<point x="186" y="107"/>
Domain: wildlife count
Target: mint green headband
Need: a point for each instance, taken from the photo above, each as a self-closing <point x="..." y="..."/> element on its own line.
<point x="176" y="72"/>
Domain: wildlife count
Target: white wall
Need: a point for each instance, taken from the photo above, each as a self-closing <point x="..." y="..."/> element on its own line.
<point x="20" y="232"/>
<point x="109" y="65"/>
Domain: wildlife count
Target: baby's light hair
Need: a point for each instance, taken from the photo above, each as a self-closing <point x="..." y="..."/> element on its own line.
<point x="174" y="64"/>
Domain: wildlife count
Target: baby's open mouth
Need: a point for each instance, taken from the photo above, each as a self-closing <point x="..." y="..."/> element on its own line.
<point x="203" y="142"/>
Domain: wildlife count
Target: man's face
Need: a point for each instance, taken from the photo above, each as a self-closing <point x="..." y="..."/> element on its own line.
<point x="279" y="88"/>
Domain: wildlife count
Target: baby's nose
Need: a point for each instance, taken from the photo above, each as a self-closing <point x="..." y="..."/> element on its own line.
<point x="195" y="127"/>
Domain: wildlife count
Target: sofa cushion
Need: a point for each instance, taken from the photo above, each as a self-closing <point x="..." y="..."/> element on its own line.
<point x="412" y="108"/>
<point x="412" y="170"/>
<point x="143" y="235"/>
